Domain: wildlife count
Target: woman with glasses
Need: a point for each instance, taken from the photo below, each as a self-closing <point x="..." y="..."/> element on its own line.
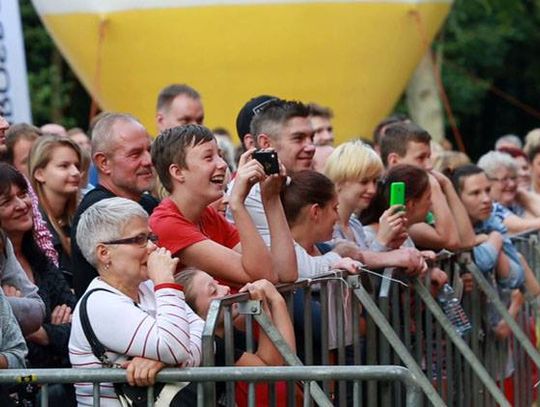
<point x="135" y="308"/>
<point x="517" y="208"/>
<point x="48" y="345"/>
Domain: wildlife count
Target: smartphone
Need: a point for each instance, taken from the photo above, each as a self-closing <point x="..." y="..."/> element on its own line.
<point x="397" y="193"/>
<point x="269" y="161"/>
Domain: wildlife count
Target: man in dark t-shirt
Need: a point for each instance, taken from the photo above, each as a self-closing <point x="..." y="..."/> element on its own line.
<point x="120" y="152"/>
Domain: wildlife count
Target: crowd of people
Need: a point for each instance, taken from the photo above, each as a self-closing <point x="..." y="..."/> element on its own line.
<point x="156" y="228"/>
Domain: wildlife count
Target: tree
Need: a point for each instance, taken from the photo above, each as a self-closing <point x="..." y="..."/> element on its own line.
<point x="490" y="45"/>
<point x="55" y="93"/>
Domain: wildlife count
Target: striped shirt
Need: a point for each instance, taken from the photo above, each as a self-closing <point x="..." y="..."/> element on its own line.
<point x="160" y="327"/>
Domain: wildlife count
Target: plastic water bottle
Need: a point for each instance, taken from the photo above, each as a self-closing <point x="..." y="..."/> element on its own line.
<point x="453" y="310"/>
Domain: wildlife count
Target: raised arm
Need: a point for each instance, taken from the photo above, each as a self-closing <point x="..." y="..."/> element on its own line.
<point x="256" y="258"/>
<point x="529" y="200"/>
<point x="459" y="213"/>
<point x="173" y="336"/>
<point x="282" y="243"/>
<point x="445" y="233"/>
<point x="515" y="224"/>
<point x="276" y="309"/>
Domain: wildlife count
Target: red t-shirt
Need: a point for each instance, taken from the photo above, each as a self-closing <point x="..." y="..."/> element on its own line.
<point x="175" y="232"/>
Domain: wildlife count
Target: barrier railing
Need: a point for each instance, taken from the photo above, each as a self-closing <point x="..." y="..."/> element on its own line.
<point x="203" y="375"/>
<point x="343" y="321"/>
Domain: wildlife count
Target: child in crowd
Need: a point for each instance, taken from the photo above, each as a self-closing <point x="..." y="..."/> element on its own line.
<point x="54" y="168"/>
<point x="201" y="289"/>
<point x="187" y="161"/>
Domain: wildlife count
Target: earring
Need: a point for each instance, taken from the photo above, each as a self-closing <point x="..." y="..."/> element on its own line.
<point x="107" y="266"/>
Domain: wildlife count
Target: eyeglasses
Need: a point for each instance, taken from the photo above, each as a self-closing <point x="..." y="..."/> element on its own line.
<point x="504" y="180"/>
<point x="140" y="240"/>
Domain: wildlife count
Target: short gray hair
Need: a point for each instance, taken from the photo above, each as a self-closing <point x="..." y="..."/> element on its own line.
<point x="105" y="221"/>
<point x="102" y="133"/>
<point x="509" y="139"/>
<point x="493" y="160"/>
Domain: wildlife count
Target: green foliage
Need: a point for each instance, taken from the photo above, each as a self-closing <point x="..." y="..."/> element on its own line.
<point x="56" y="94"/>
<point x="484" y="44"/>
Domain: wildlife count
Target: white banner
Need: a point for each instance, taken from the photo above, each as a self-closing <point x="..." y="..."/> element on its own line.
<point x="14" y="100"/>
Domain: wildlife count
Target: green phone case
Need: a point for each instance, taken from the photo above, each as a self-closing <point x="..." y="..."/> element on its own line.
<point x="397" y="193"/>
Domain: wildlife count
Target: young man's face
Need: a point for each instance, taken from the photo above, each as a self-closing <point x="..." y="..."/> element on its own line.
<point x="417" y="154"/>
<point x="295" y="144"/>
<point x="323" y="131"/>
<point x="475" y="195"/>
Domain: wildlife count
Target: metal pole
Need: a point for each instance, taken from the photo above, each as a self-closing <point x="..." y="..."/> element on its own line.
<point x="394" y="340"/>
<point x="204" y="374"/>
<point x="460" y="343"/>
<point x="494" y="298"/>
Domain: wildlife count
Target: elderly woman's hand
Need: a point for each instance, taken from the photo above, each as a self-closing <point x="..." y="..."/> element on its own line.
<point x="141" y="371"/>
<point x="161" y="266"/>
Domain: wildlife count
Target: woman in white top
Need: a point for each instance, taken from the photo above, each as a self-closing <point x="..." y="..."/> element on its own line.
<point x="139" y="310"/>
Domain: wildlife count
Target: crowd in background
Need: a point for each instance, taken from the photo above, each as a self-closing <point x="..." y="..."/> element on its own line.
<point x="123" y="238"/>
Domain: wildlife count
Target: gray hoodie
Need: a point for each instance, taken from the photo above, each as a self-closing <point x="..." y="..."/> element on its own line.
<point x="29" y="308"/>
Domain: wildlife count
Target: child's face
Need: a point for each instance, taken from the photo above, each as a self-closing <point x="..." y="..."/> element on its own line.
<point x="205" y="172"/>
<point x="207" y="289"/>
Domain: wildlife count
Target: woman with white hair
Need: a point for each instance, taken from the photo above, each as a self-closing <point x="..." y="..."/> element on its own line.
<point x="517" y="208"/>
<point x="135" y="308"/>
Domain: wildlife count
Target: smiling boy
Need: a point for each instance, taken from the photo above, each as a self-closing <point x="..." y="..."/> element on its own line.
<point x="189" y="166"/>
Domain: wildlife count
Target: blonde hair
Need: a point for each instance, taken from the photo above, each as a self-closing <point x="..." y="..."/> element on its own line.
<point x="40" y="156"/>
<point x="450" y="160"/>
<point x="353" y="160"/>
<point x="532" y="139"/>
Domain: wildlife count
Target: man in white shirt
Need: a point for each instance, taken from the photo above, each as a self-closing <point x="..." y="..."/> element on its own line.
<point x="285" y="127"/>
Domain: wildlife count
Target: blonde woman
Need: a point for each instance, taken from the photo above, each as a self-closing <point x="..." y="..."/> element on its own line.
<point x="355" y="169"/>
<point x="54" y="168"/>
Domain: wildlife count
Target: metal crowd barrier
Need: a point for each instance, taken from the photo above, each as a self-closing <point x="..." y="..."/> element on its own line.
<point x="352" y="333"/>
<point x="405" y="325"/>
<point x="203" y="375"/>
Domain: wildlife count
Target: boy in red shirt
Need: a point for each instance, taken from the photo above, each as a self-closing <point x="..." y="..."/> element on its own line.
<point x="190" y="168"/>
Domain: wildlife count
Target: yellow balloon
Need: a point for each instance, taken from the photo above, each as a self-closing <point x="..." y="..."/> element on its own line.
<point x="353" y="56"/>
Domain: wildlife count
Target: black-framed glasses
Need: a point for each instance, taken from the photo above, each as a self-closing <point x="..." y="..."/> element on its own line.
<point x="140" y="240"/>
<point x="504" y="180"/>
